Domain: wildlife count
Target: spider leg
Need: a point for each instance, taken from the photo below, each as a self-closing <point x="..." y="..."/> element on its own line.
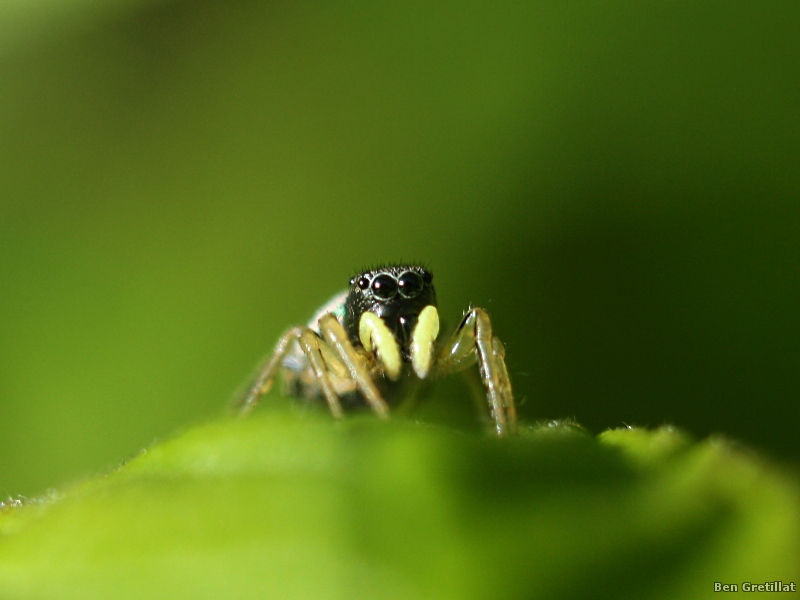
<point x="310" y="344"/>
<point x="336" y="337"/>
<point x="268" y="371"/>
<point x="473" y="342"/>
<point x="499" y="351"/>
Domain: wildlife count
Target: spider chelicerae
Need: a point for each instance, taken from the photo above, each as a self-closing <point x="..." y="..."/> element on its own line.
<point x="380" y="331"/>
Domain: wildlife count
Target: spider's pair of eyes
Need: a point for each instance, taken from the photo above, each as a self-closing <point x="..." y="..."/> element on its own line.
<point x="386" y="287"/>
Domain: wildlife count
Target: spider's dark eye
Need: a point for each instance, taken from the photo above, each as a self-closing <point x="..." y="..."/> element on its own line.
<point x="410" y="284"/>
<point x="363" y="283"/>
<point x="384" y="287"/>
<point x="427" y="277"/>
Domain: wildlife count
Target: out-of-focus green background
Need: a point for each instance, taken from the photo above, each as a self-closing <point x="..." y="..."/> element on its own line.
<point x="617" y="183"/>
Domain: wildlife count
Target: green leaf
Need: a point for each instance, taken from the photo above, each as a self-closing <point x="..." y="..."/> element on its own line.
<point x="289" y="504"/>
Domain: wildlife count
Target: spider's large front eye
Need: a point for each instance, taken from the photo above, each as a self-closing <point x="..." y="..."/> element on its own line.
<point x="384" y="287"/>
<point x="410" y="284"/>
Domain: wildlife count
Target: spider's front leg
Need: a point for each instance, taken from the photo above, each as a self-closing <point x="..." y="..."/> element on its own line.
<point x="329" y="354"/>
<point x="334" y="334"/>
<point x="473" y="342"/>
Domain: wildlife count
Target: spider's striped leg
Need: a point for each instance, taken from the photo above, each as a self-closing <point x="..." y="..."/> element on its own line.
<point x="267" y="372"/>
<point x="473" y="342"/>
<point x="334" y="334"/>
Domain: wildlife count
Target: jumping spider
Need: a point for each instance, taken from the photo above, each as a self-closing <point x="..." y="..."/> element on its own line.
<point x="380" y="330"/>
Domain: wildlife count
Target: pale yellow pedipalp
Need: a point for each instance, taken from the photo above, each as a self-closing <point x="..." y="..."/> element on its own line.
<point x="422" y="339"/>
<point x="375" y="335"/>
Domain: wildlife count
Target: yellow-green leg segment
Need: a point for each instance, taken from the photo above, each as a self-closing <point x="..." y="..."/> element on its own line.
<point x="473" y="342"/>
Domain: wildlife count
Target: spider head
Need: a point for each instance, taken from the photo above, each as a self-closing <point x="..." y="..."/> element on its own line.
<point x="392" y="311"/>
